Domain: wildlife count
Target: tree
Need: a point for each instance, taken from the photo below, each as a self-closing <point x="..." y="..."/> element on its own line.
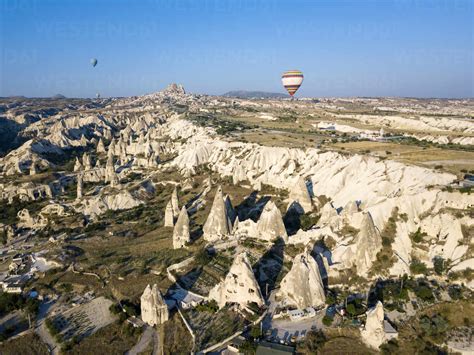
<point x="418" y="267"/>
<point x="327" y="321"/>
<point x="255" y="331"/>
<point x="439" y="265"/>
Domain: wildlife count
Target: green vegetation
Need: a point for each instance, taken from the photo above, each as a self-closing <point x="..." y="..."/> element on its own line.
<point x="29" y="343"/>
<point x="210" y="307"/>
<point x="418" y="267"/>
<point x="385" y="257"/>
<point x="327" y="321"/>
<point x="222" y="126"/>
<point x="440" y="265"/>
<point x="418" y="236"/>
<point x="116" y="338"/>
<point x="176" y="337"/>
<point x="314" y="341"/>
<point x="308" y="220"/>
<point x="10" y="302"/>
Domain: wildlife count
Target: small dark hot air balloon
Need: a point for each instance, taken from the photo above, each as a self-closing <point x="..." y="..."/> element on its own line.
<point x="292" y="81"/>
<point x="94" y="62"/>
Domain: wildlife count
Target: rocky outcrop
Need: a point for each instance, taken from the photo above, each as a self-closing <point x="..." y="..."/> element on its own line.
<point x="174" y="89"/>
<point x="299" y="193"/>
<point x="270" y="224"/>
<point x="78" y="165"/>
<point x="79" y="186"/>
<point x="33" y="170"/>
<point x="28" y="221"/>
<point x="86" y="161"/>
<point x="367" y="244"/>
<point x="239" y="286"/>
<point x="100" y="147"/>
<point x="303" y="286"/>
<point x="153" y="306"/>
<point x="169" y="215"/>
<point x="374" y="334"/>
<point x="218" y="223"/>
<point x="181" y="230"/>
<point x="110" y="174"/>
<point x="175" y="202"/>
<point x="122" y="200"/>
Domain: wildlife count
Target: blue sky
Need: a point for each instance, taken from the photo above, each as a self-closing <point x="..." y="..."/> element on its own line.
<point x="345" y="48"/>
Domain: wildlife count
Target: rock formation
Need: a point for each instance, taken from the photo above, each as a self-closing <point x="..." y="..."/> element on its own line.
<point x="181" y="230"/>
<point x="100" y="147"/>
<point x="86" y="162"/>
<point x="218" y="224"/>
<point x="28" y="221"/>
<point x="230" y="209"/>
<point x="374" y="333"/>
<point x="299" y="193"/>
<point x="33" y="167"/>
<point x="110" y="174"/>
<point x="270" y="224"/>
<point x="78" y="165"/>
<point x="303" y="286"/>
<point x="169" y="217"/>
<point x="239" y="285"/>
<point x="153" y="306"/>
<point x="79" y="186"/>
<point x="175" y="202"/>
<point x="367" y="244"/>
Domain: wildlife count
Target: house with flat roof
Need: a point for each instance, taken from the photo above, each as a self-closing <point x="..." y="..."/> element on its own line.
<point x="267" y="348"/>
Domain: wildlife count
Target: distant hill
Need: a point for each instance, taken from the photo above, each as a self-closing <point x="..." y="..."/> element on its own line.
<point x="243" y="94"/>
<point x="58" y="96"/>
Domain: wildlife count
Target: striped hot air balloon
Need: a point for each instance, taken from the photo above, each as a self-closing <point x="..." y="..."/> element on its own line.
<point x="292" y="80"/>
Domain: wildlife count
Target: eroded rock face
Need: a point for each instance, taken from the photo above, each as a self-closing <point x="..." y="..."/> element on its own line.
<point x="303" y="286"/>
<point x="270" y="224"/>
<point x="169" y="216"/>
<point x="239" y="286"/>
<point x="153" y="306"/>
<point x="79" y="186"/>
<point x="299" y="193"/>
<point x="175" y="202"/>
<point x="373" y="333"/>
<point x="28" y="221"/>
<point x="181" y="230"/>
<point x="218" y="223"/>
<point x="368" y="244"/>
<point x="100" y="147"/>
<point x="97" y="205"/>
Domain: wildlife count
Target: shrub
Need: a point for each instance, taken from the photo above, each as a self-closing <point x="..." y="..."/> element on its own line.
<point x="418" y="267"/>
<point x="439" y="265"/>
<point x="255" y="332"/>
<point x="424" y="292"/>
<point x="327" y="321"/>
<point x="210" y="307"/>
<point x="418" y="236"/>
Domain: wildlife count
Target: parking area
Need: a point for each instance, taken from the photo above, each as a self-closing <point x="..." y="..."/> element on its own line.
<point x="285" y="329"/>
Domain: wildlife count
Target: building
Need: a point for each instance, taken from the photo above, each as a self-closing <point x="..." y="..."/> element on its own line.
<point x="468" y="181"/>
<point x="266" y="348"/>
<point x="14" y="283"/>
<point x="296" y="314"/>
<point x="390" y="331"/>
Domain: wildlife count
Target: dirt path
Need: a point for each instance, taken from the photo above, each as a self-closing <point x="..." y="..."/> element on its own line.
<point x="149" y="334"/>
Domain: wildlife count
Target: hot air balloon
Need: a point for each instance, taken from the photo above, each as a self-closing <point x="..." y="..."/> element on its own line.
<point x="94" y="62"/>
<point x="292" y="80"/>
